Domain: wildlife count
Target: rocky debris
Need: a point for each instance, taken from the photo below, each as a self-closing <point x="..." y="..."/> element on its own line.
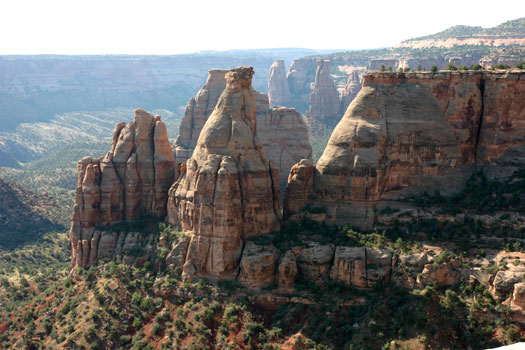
<point x="407" y="267"/>
<point x="315" y="260"/>
<point x="227" y="191"/>
<point x="177" y="255"/>
<point x="504" y="281"/>
<point x="287" y="270"/>
<point x="278" y="89"/>
<point x="282" y="131"/>
<point x="325" y="105"/>
<point x="387" y="146"/>
<point x="258" y="264"/>
<point x="445" y="274"/>
<point x="131" y="180"/>
<point x="353" y="86"/>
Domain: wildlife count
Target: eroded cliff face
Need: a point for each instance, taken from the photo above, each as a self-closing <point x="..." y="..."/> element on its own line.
<point x="131" y="180"/>
<point x="282" y="131"/>
<point x="278" y="89"/>
<point x="325" y="104"/>
<point x="407" y="133"/>
<point x="227" y="191"/>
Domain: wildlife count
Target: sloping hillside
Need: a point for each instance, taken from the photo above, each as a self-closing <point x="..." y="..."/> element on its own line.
<point x="25" y="215"/>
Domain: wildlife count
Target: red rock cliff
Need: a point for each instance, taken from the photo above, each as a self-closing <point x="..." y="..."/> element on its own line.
<point x="406" y="133"/>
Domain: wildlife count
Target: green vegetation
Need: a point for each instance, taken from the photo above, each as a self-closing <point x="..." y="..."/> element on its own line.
<point x="480" y="195"/>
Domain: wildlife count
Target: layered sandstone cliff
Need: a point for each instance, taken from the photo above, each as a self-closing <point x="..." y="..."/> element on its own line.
<point x="325" y="105"/>
<point x="227" y="191"/>
<point x="282" y="131"/>
<point x="407" y="133"/>
<point x="131" y="180"/>
<point x="278" y="89"/>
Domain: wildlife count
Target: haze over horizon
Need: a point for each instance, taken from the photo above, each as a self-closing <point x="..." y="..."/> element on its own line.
<point x="163" y="27"/>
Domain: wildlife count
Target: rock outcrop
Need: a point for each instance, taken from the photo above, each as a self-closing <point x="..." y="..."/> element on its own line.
<point x="278" y="89"/>
<point x="198" y="109"/>
<point x="325" y="105"/>
<point x="131" y="180"/>
<point x="282" y="131"/>
<point x="284" y="136"/>
<point x="406" y="133"/>
<point x="353" y="86"/>
<point x="227" y="191"/>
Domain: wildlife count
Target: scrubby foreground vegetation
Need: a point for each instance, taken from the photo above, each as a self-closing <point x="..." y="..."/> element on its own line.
<point x="122" y="307"/>
<point x="149" y="306"/>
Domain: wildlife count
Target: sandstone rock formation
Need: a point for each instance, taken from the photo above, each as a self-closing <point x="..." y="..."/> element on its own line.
<point x="282" y="131"/>
<point x="287" y="270"/>
<point x="258" y="264"/>
<point x="325" y="105"/>
<point x="278" y="89"/>
<point x="301" y="76"/>
<point x="198" y="109"/>
<point x="227" y="191"/>
<point x="353" y="86"/>
<point x="407" y="133"/>
<point x="132" y="179"/>
<point x="284" y="136"/>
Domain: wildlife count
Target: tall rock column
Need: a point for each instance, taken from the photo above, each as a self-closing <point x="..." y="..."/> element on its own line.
<point x="197" y="112"/>
<point x="227" y="191"/>
<point x="325" y="105"/>
<point x="278" y="89"/>
<point x="353" y="86"/>
<point x="282" y="131"/>
<point x="132" y="179"/>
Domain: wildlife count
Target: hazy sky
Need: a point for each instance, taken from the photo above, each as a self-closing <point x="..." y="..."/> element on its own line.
<point x="170" y="27"/>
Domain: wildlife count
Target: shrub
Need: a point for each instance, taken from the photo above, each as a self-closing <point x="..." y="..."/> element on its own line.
<point x="434" y="69"/>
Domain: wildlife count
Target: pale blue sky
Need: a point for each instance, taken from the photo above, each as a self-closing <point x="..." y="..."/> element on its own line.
<point x="171" y="27"/>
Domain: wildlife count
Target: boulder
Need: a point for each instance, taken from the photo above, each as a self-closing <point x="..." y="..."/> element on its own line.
<point x="258" y="264"/>
<point x="349" y="266"/>
<point x="287" y="271"/>
<point x="315" y="260"/>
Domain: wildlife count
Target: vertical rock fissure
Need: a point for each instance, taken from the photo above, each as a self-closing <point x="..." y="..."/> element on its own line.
<point x="480" y="124"/>
<point x="273" y="188"/>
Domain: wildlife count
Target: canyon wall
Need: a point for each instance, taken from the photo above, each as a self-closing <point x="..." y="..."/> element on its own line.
<point x="227" y="191"/>
<point x="130" y="181"/>
<point x="406" y="133"/>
